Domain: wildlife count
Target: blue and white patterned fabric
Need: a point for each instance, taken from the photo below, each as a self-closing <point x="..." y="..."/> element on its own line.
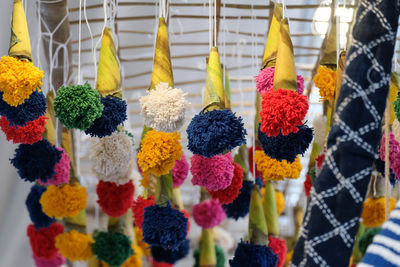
<point x="333" y="213"/>
<point x="385" y="248"/>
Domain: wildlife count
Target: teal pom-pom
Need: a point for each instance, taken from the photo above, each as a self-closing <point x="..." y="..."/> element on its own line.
<point x="366" y="239"/>
<point x="218" y="251"/>
<point x="113" y="248"/>
<point x="78" y="106"/>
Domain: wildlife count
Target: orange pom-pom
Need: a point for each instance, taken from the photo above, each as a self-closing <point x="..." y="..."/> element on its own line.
<point x="273" y="169"/>
<point x="325" y="81"/>
<point x="373" y="213"/>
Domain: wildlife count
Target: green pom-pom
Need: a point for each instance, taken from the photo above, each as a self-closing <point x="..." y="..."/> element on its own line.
<point x="366" y="239"/>
<point x="396" y="107"/>
<point x="78" y="106"/>
<point x="112" y="248"/>
<point x="220" y="257"/>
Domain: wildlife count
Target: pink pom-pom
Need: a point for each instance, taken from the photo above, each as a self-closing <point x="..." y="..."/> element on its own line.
<point x="300" y="84"/>
<point x="265" y="80"/>
<point x="62" y="170"/>
<point x="278" y="246"/>
<point x="180" y="171"/>
<point x="215" y="173"/>
<point x="208" y="213"/>
<point x="56" y="261"/>
<point x="394" y="153"/>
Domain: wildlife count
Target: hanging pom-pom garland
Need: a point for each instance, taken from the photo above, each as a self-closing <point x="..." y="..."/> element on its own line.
<point x="78" y="106"/>
<point x="56" y="261"/>
<point x="213" y="132"/>
<point x="65" y="201"/>
<point x="36" y="161"/>
<point x="229" y="194"/>
<point x="180" y="171"/>
<point x="239" y="208"/>
<point x="18" y="79"/>
<point x="373" y="212"/>
<point x="111" y="157"/>
<point x="43" y="240"/>
<point x="273" y="169"/>
<point x="114" y="114"/>
<point x="38" y="217"/>
<point x="208" y="214"/>
<point x="33" y="108"/>
<point x="325" y="81"/>
<point x="62" y="170"/>
<point x="75" y="246"/>
<point x="282" y="111"/>
<point x="159" y="151"/>
<point x="247" y="254"/>
<point x="286" y="147"/>
<point x="138" y="207"/>
<point x="164" y="108"/>
<point x="113" y="248"/>
<point x="171" y="256"/>
<point x="114" y="199"/>
<point x="164" y="227"/>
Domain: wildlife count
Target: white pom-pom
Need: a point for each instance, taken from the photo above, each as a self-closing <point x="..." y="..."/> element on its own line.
<point x="136" y="178"/>
<point x="112" y="157"/>
<point x="164" y="108"/>
<point x="319" y="130"/>
<point x="396" y="129"/>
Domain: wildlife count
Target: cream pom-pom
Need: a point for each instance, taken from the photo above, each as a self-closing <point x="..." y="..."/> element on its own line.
<point x="164" y="108"/>
<point x="112" y="157"/>
<point x="136" y="178"/>
<point x="319" y="130"/>
<point x="396" y="130"/>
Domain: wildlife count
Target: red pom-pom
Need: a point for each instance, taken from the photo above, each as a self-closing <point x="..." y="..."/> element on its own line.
<point x="320" y="160"/>
<point x="115" y="199"/>
<point x="187" y="216"/>
<point x="138" y="209"/>
<point x="258" y="173"/>
<point x="28" y="134"/>
<point x="282" y="111"/>
<point x="307" y="184"/>
<point x="160" y="264"/>
<point x="43" y="240"/>
<point x="278" y="246"/>
<point x="229" y="194"/>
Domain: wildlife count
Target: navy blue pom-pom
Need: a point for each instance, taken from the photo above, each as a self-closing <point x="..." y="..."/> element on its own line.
<point x="247" y="254"/>
<point x="33" y="108"/>
<point x="286" y="147"/>
<point x="36" y="161"/>
<point x="114" y="113"/>
<point x="380" y="167"/>
<point x="38" y="217"/>
<point x="214" y="132"/>
<point x="241" y="205"/>
<point x="171" y="256"/>
<point x="164" y="227"/>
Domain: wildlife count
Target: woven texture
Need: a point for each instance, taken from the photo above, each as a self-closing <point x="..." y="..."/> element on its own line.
<point x="333" y="213"/>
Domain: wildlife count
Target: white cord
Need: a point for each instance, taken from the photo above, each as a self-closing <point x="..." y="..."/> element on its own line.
<point x="102" y="32"/>
<point x="215" y="23"/>
<point x="79" y="41"/>
<point x="91" y="37"/>
<point x="209" y="23"/>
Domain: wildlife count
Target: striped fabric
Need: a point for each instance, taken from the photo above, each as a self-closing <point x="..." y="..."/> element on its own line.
<point x="385" y="249"/>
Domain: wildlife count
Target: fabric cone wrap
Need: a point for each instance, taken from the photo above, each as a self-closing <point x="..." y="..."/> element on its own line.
<point x="333" y="218"/>
<point x="162" y="67"/>
<point x="214" y="97"/>
<point x="271" y="46"/>
<point x="164" y="190"/>
<point x="108" y="72"/>
<point x="330" y="52"/>
<point x="285" y="71"/>
<point x="242" y="158"/>
<point x="208" y="257"/>
<point x="227" y="97"/>
<point x="20" y="44"/>
<point x="270" y="211"/>
<point x="258" y="231"/>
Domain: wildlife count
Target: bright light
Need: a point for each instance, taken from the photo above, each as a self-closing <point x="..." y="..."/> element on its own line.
<point x="321" y="19"/>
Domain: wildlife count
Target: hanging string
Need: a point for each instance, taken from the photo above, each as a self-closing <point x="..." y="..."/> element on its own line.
<point x="209" y="23"/>
<point x="387" y="171"/>
<point x="102" y="32"/>
<point x="215" y="23"/>
<point x="79" y="41"/>
<point x="91" y="38"/>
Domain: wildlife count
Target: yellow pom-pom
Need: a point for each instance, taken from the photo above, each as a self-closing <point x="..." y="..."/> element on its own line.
<point x="145" y="248"/>
<point x="373" y="213"/>
<point x="18" y="80"/>
<point x="280" y="202"/>
<point x="65" y="201"/>
<point x="273" y="169"/>
<point x="159" y="152"/>
<point x="75" y="246"/>
<point x="325" y="80"/>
